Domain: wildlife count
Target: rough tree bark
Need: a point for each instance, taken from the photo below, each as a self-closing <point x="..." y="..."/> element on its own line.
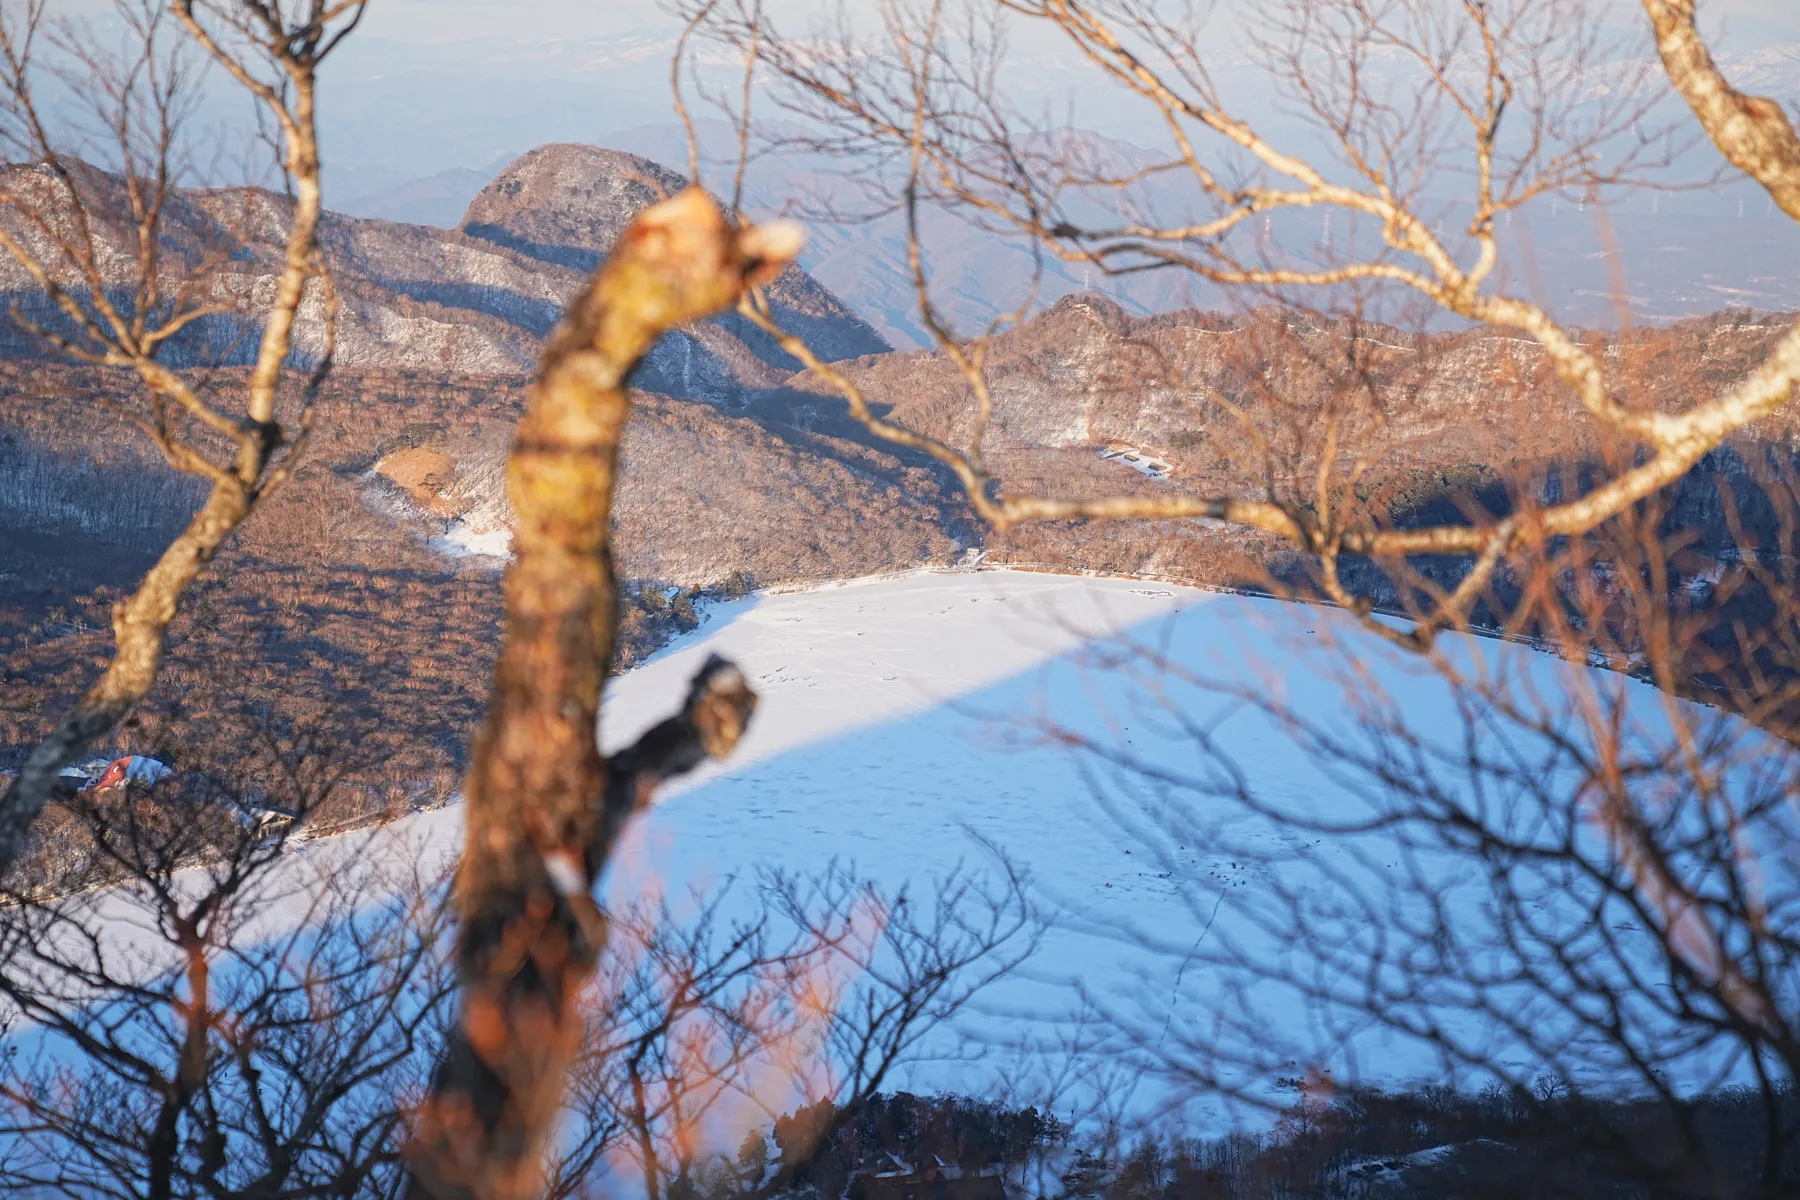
<point x="1752" y="131"/>
<point x="543" y="808"/>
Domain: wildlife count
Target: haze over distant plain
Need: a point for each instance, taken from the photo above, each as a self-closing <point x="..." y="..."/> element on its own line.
<point x="434" y="85"/>
<point x="432" y="98"/>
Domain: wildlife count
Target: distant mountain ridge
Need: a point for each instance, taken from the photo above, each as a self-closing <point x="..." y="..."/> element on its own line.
<point x="474" y="300"/>
<point x="440" y="199"/>
<point x="1674" y="255"/>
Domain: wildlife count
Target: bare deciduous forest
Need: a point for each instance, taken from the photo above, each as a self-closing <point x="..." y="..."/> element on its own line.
<point x="312" y="833"/>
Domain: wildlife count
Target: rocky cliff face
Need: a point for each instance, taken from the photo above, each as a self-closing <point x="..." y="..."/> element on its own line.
<point x="476" y="300"/>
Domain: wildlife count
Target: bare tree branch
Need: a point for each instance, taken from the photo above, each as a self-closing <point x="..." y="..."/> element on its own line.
<point x="1499" y="74"/>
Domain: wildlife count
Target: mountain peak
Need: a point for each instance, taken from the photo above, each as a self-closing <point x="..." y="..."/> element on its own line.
<point x="567" y="203"/>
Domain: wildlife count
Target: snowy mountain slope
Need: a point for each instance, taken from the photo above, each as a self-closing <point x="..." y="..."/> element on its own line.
<point x="439" y="199"/>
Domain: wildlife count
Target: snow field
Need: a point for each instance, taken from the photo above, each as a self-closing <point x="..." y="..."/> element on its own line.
<point x="904" y="726"/>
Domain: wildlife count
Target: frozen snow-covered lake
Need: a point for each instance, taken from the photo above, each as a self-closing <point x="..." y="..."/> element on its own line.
<point x="899" y="728"/>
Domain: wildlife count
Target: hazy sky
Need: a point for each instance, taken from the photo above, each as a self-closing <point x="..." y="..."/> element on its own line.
<point x="428" y="86"/>
<point x="429" y="21"/>
<point x="441" y="20"/>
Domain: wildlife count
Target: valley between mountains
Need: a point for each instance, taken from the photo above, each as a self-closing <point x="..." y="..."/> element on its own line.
<point x="368" y="588"/>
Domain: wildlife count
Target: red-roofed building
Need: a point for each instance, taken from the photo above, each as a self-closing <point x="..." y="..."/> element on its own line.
<point x="134" y="768"/>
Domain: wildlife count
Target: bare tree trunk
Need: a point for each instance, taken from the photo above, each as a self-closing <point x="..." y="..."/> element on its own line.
<point x="543" y="807"/>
